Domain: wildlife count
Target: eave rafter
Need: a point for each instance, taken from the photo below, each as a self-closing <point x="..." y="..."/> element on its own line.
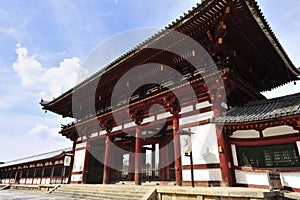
<point x="217" y="36"/>
<point x="293" y="121"/>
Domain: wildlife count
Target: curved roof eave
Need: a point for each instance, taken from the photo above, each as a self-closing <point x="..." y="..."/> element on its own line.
<point x="253" y="8"/>
<point x="265" y="27"/>
<point x="179" y="21"/>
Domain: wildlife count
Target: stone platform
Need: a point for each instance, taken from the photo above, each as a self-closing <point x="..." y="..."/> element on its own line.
<point x="147" y="192"/>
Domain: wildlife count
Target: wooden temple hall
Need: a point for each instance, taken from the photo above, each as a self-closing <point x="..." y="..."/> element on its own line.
<point x="227" y="133"/>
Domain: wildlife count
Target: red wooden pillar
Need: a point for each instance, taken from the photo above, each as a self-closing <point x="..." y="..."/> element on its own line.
<point x="72" y="160"/>
<point x="131" y="165"/>
<point x="224" y="152"/>
<point x="106" y="168"/>
<point x="167" y="164"/>
<point x="63" y="172"/>
<point x="138" y="159"/>
<point x="86" y="157"/>
<point x="177" y="149"/>
<point x="153" y="160"/>
<point x="43" y="171"/>
<point x="164" y="160"/>
<point x="162" y="168"/>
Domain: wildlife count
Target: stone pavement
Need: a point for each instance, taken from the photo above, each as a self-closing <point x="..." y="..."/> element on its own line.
<point x="238" y="193"/>
<point x="30" y="195"/>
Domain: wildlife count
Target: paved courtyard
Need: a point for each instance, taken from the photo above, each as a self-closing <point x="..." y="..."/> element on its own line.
<point x="30" y="195"/>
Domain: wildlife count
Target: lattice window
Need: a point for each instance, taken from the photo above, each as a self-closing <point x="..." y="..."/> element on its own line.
<point x="283" y="155"/>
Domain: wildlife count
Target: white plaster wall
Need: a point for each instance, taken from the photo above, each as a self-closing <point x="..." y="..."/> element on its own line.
<point x="128" y="125"/>
<point x="278" y="130"/>
<point x="195" y="118"/>
<point x="290" y="179"/>
<point x="94" y="134"/>
<point x="29" y="181"/>
<point x="43" y="181"/>
<point x="148" y="119"/>
<point x="79" y="160"/>
<point x="80" y="145"/>
<point x="234" y="155"/>
<point x="204" y="145"/>
<point x="186" y="109"/>
<point x="47" y="181"/>
<point x="252" y="178"/>
<point x="65" y="180"/>
<point x="202" y="175"/>
<point x="298" y="145"/>
<point x="76" y="177"/>
<point x="203" y="105"/>
<point x="163" y="115"/>
<point x="245" y="134"/>
<point x="36" y="180"/>
<point x="22" y="181"/>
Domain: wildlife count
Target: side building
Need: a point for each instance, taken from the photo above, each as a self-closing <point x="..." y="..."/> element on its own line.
<point x="49" y="168"/>
<point x="264" y="138"/>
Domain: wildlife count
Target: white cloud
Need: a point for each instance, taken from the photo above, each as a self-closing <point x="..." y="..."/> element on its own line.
<point x="27" y="67"/>
<point x="9" y="31"/>
<point x="49" y="82"/>
<point x="44" y="131"/>
<point x="7" y="101"/>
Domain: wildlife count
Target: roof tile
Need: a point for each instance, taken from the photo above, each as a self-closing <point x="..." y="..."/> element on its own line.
<point x="262" y="110"/>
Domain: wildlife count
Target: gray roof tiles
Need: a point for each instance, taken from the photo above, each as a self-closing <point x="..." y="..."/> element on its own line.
<point x="262" y="110"/>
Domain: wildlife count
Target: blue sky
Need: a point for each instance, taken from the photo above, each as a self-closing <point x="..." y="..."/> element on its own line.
<point x="43" y="43"/>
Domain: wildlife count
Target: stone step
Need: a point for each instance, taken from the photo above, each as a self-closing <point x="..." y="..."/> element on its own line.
<point x="123" y="193"/>
<point x="89" y="192"/>
<point x="136" y="188"/>
<point x="102" y="186"/>
<point x="98" y="195"/>
<point x="104" y="192"/>
<point x="107" y="190"/>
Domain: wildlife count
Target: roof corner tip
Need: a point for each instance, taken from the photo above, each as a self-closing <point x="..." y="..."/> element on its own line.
<point x="43" y="102"/>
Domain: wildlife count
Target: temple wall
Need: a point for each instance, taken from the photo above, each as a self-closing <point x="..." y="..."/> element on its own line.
<point x="245" y="134"/>
<point x="203" y="141"/>
<point x="268" y="132"/>
<point x="289" y="176"/>
<point x="251" y="178"/>
<point x="205" y="154"/>
<point x="202" y="175"/>
<point x="78" y="166"/>
<point x="290" y="179"/>
<point x="204" y="145"/>
<point x="278" y="130"/>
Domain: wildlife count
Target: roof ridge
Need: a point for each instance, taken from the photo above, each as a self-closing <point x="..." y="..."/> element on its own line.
<point x="266" y="24"/>
<point x="267" y="109"/>
<point x="138" y="46"/>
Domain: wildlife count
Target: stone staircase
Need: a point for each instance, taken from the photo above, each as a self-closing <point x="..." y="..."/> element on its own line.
<point x="4" y="186"/>
<point x="105" y="192"/>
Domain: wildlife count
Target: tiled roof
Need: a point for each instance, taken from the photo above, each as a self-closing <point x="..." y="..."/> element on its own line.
<point x="262" y="110"/>
<point x="255" y="10"/>
<point x="34" y="158"/>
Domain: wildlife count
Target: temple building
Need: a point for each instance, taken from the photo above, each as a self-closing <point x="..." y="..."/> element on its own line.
<point x="47" y="168"/>
<point x="211" y="119"/>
